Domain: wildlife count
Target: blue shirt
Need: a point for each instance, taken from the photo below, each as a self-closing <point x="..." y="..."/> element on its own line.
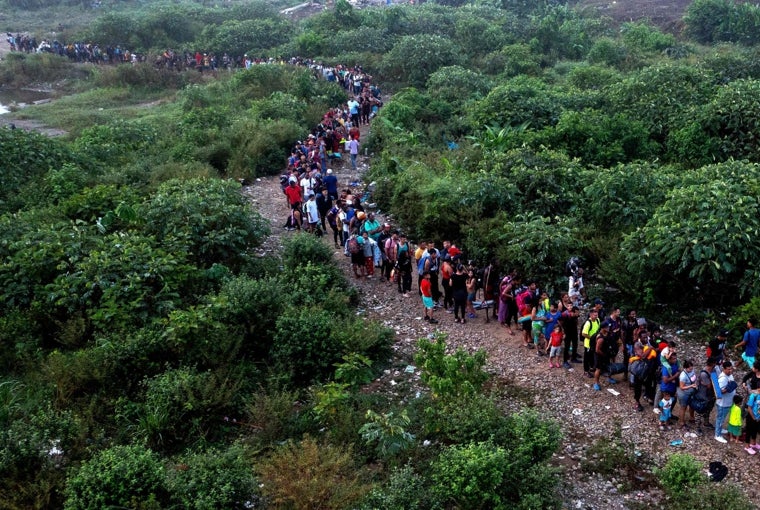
<point x="671" y="386"/>
<point x="751" y="338"/>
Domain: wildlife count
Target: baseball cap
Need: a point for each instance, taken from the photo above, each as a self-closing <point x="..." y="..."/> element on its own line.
<point x="723" y="332"/>
<point x="598" y="301"/>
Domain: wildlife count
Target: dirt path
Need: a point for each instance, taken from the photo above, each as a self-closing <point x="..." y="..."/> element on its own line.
<point x="564" y="395"/>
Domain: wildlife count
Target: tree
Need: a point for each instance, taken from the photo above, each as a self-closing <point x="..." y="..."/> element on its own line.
<point x="415" y="57"/>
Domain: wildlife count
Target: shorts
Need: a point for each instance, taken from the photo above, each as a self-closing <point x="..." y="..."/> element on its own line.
<point x="601" y="362"/>
<point x="749" y="360"/>
<point x="735" y="430"/>
<point x="471" y="296"/>
<point x="684" y="397"/>
<point x="357" y="258"/>
<point x="555" y="351"/>
<point x="428" y="302"/>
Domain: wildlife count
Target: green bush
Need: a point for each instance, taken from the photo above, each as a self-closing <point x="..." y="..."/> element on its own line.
<point x="414" y="58"/>
<point x="450" y="375"/>
<point x="299" y="251"/>
<point x="27" y="158"/>
<point x="404" y="490"/>
<point x="186" y="405"/>
<point x="208" y="219"/>
<point x="261" y="147"/>
<point x="122" y="476"/>
<point x="305" y="347"/>
<point x="472" y="476"/>
<point x="214" y="479"/>
<point x="680" y="475"/>
<point x="116" y="144"/>
<point x="698" y="236"/>
<point x="467" y="418"/>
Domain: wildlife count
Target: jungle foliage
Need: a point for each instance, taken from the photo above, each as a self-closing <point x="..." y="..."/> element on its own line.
<point x="152" y="358"/>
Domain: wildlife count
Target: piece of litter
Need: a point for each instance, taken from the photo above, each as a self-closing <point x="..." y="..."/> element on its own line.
<point x="690" y="434"/>
<point x="393" y="383"/>
<point x="409" y="369"/>
<point x="577" y="412"/>
<point x="616" y="393"/>
<point x="607" y="407"/>
<point x="625" y="427"/>
<point x="676" y="442"/>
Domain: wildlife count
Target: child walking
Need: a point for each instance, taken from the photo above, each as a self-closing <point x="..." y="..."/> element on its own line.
<point x="472" y="283"/>
<point x="666" y="410"/>
<point x="735" y="420"/>
<point x="427" y="297"/>
<point x="555" y="346"/>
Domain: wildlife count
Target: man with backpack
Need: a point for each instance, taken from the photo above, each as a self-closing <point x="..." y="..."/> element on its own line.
<point x="589" y="333"/>
<point x="605" y="351"/>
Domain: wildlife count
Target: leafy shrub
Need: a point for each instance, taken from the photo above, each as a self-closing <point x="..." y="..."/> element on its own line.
<point x="600" y="139"/>
<point x="276" y="414"/>
<point x="298" y="251"/>
<point x="213" y="479"/>
<point x="471" y="476"/>
<point x="208" y="219"/>
<point x="520" y="100"/>
<point x="261" y="147"/>
<point x="457" y="85"/>
<point x="680" y="475"/>
<point x="592" y="76"/>
<point x="699" y="234"/>
<point x="253" y="305"/>
<point x="125" y="282"/>
<point x="185" y="404"/>
<point x="404" y="490"/>
<point x="27" y="157"/>
<point x="467" y="418"/>
<point x="117" y="143"/>
<point x="450" y="375"/>
<point x="304" y="345"/>
<point x="123" y="476"/>
<point x="643" y="37"/>
<point x="333" y="481"/>
<point x="414" y="58"/>
<point x="388" y="432"/>
<point x="237" y="37"/>
<point x="279" y="105"/>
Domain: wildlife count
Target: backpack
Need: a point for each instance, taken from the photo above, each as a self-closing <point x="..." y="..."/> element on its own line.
<point x="353" y="246"/>
<point x="611" y="347"/>
<point x="639" y="369"/>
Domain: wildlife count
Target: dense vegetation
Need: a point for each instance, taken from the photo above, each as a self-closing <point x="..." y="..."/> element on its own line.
<point x="152" y="359"/>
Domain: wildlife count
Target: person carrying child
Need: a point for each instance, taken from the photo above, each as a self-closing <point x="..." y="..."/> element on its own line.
<point x="556" y="340"/>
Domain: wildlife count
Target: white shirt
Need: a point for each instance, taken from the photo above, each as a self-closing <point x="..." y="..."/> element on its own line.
<point x="311" y="210"/>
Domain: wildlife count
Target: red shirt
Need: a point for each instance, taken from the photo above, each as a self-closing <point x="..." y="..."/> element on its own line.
<point x="425" y="288"/>
<point x="294" y="194"/>
<point x="556" y="339"/>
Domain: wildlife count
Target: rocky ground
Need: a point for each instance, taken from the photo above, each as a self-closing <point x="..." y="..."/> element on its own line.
<point x="589" y="419"/>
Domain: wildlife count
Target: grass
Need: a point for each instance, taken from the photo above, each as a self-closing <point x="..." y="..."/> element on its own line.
<point x="94" y="107"/>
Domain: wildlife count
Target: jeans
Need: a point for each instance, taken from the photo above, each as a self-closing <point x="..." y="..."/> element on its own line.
<point x="720" y="417"/>
<point x="353" y="161"/>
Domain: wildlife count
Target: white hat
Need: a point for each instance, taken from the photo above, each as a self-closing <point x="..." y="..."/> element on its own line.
<point x="329" y="170"/>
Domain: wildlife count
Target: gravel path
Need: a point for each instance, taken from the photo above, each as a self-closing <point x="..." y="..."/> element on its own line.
<point x="564" y="395"/>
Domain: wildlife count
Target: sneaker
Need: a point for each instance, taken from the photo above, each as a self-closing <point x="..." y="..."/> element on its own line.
<point x="433" y="321"/>
<point x="456" y="320"/>
<point x="724" y="431"/>
<point x="750" y="450"/>
<point x="576" y="360"/>
<point x="588" y="375"/>
<point x="464" y="321"/>
<point x="721" y="439"/>
<point x="755" y="446"/>
<point x="427" y="318"/>
<point x="551" y="365"/>
<point x="639" y="407"/>
<point x="566" y="365"/>
<point x="611" y="380"/>
<point x="597" y="387"/>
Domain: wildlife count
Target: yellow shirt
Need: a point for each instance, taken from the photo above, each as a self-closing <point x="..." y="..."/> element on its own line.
<point x="735" y="416"/>
<point x="589" y="328"/>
